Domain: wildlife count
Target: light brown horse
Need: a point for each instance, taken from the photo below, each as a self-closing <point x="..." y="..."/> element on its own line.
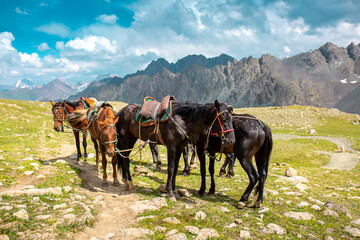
<point x="61" y="112"/>
<point x="103" y="133"/>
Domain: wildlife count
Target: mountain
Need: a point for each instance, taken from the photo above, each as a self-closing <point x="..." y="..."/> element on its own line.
<point x="321" y="77"/>
<point x="24" y="83"/>
<point x="56" y="89"/>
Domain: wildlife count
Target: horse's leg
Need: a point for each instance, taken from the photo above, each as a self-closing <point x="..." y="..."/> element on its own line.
<point x="223" y="167"/>
<point x="177" y="159"/>
<point x="192" y="160"/>
<point x="231" y="165"/>
<point x="114" y="163"/>
<point x="96" y="146"/>
<point x="246" y="163"/>
<point x="85" y="144"/>
<point x="186" y="170"/>
<point x="126" y="163"/>
<point x="202" y="160"/>
<point x="212" y="171"/>
<point x="173" y="156"/>
<point x="155" y="154"/>
<point x="77" y="141"/>
<point x="104" y="163"/>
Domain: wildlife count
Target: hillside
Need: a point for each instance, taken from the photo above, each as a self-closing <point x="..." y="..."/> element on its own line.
<point x="321" y="77"/>
<point x="44" y="194"/>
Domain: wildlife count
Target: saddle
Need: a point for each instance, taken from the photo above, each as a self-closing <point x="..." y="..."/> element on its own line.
<point x="153" y="111"/>
<point x="94" y="111"/>
<point x="88" y="102"/>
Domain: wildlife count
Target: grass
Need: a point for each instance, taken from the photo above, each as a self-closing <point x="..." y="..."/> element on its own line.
<point x="25" y="128"/>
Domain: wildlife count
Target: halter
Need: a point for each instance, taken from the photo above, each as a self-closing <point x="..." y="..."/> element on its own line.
<point x="222" y="135"/>
<point x="61" y="120"/>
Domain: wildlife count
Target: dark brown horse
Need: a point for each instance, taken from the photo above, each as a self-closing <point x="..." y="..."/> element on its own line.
<point x="61" y="111"/>
<point x="187" y="121"/>
<point x="253" y="138"/>
<point x="103" y="133"/>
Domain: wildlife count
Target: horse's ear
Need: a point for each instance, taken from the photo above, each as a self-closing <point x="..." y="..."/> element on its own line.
<point x="52" y="103"/>
<point x="116" y="120"/>
<point x="217" y="104"/>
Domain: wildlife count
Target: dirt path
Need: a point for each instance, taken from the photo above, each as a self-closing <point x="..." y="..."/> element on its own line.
<point x="344" y="159"/>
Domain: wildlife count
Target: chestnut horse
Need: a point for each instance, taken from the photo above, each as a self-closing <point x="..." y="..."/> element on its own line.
<point x="61" y="111"/>
<point x="103" y="133"/>
<point x="253" y="138"/>
<point x="186" y="122"/>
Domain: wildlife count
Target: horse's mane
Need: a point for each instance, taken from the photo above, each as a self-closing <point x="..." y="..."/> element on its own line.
<point x="192" y="111"/>
<point x="244" y="115"/>
<point x="77" y="115"/>
<point x="73" y="104"/>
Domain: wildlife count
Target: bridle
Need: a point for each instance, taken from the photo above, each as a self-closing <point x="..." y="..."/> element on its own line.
<point x="102" y="135"/>
<point x="222" y="137"/>
<point x="63" y="115"/>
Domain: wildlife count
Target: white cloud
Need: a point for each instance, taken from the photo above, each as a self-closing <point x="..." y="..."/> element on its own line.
<point x="5" y="41"/>
<point x="111" y="19"/>
<point x="60" y="45"/>
<point x="43" y="47"/>
<point x="31" y="59"/>
<point x="287" y="49"/>
<point x="57" y="29"/>
<point x="19" y="11"/>
<point x="91" y="45"/>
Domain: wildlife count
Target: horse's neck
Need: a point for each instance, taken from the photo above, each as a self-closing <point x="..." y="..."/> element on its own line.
<point x="201" y="123"/>
<point x="105" y="113"/>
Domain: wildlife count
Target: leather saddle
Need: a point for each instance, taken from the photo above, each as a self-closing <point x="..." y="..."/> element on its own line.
<point x="153" y="111"/>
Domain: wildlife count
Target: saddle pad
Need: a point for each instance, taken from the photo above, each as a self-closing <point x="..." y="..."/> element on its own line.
<point x="96" y="110"/>
<point x="150" y="121"/>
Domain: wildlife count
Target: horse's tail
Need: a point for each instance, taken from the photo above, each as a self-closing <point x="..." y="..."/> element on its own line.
<point x="263" y="155"/>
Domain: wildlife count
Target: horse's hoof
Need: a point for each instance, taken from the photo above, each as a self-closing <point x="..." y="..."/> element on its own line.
<point x="116" y="184"/>
<point x="228" y="176"/>
<point x="257" y="205"/>
<point x="240" y="205"/>
<point x="184" y="174"/>
<point x="172" y="199"/>
<point x="158" y="167"/>
<point x="105" y="184"/>
<point x="85" y="161"/>
<point x="127" y="188"/>
<point x="211" y="191"/>
<point x="201" y="193"/>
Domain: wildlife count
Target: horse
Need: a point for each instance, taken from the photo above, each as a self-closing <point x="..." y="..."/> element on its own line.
<point x="253" y="138"/>
<point x="103" y="133"/>
<point x="61" y="112"/>
<point x="229" y="160"/>
<point x="186" y="122"/>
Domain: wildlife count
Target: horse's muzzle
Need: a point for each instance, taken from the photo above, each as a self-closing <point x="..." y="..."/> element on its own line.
<point x="228" y="139"/>
<point x="110" y="154"/>
<point x="58" y="129"/>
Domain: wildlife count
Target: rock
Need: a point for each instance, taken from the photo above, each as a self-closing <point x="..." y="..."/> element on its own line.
<point x="21" y="214"/>
<point x="312" y="131"/>
<point x="160" y="229"/>
<point x="153" y="204"/>
<point x="42" y="217"/>
<point x="272" y="228"/>
<point x="134" y="233"/>
<point x="183" y="192"/>
<point x="290" y="172"/>
<point x="272" y="192"/>
<point x="206" y="233"/>
<point x="28" y="173"/>
<point x="302" y="187"/>
<point x="146" y="217"/>
<point x="329" y="212"/>
<point x="224" y="209"/>
<point x="91" y="155"/>
<point x="231" y="225"/>
<point x="171" y="220"/>
<point x="316" y="201"/>
<point x="40" y="176"/>
<point x="356" y="222"/>
<point x="192" y="229"/>
<point x="355" y="232"/>
<point x="4" y="237"/>
<point x="60" y="206"/>
<point x="297" y="194"/>
<point x="200" y="215"/>
<point x="264" y="210"/>
<point x="61" y="162"/>
<point x="172" y="232"/>
<point x="109" y="235"/>
<point x="316" y="207"/>
<point x="339" y="208"/>
<point x="51" y="135"/>
<point x="141" y="169"/>
<point x="162" y="188"/>
<point x="238" y="221"/>
<point x="244" y="234"/>
<point x="179" y="236"/>
<point x="28" y="159"/>
<point x="320" y="222"/>
<point x="312" y="237"/>
<point x="6" y="208"/>
<point x="299" y="215"/>
<point x="70" y="218"/>
<point x="302" y="204"/>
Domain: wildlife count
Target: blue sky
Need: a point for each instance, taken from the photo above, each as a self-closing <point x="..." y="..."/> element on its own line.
<point x="41" y="40"/>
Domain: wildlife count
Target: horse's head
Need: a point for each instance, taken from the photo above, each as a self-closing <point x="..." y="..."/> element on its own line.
<point x="59" y="114"/>
<point x="223" y="124"/>
<point x="109" y="135"/>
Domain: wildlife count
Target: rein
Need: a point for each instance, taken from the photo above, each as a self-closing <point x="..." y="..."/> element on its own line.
<point x="63" y="119"/>
<point x="222" y="136"/>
